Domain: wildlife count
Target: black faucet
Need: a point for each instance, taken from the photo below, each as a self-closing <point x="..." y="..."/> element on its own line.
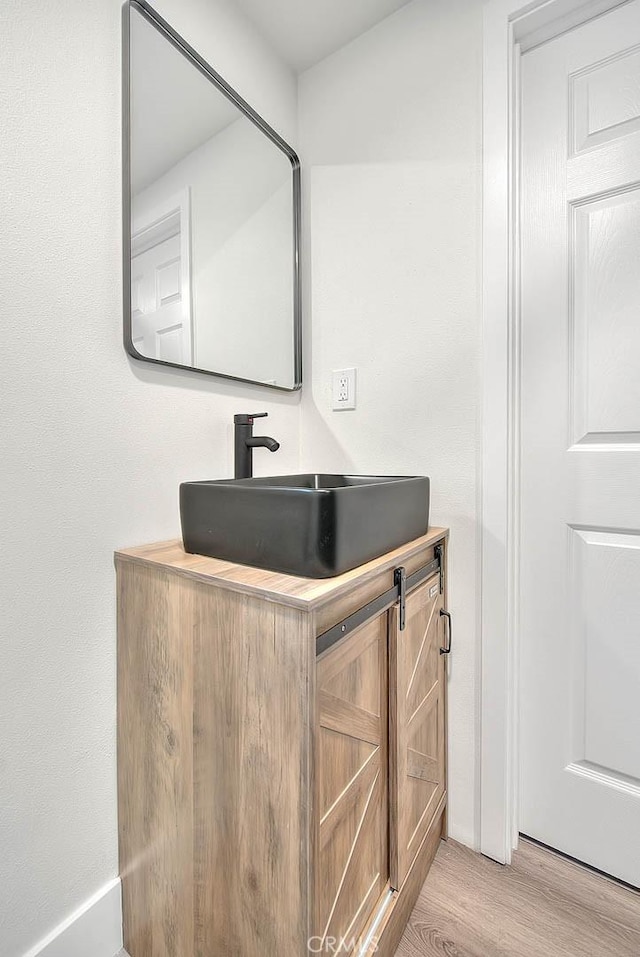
<point x="245" y="442"/>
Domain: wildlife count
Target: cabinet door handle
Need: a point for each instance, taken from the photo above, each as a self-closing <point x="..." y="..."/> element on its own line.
<point x="447" y="615"/>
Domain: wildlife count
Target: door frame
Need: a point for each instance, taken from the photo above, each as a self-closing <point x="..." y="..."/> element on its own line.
<point x="511" y="27"/>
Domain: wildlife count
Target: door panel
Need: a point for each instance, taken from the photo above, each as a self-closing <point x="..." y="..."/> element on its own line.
<point x="416" y="723"/>
<point x="352" y="865"/>
<point x="160" y="319"/>
<point x="580" y="443"/>
<point x="606" y="572"/>
<point x="605" y="100"/>
<point x="605" y="343"/>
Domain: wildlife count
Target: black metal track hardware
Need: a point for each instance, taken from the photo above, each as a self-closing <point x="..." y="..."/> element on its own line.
<point x="439" y="553"/>
<point x="400" y="581"/>
<point x="403" y="585"/>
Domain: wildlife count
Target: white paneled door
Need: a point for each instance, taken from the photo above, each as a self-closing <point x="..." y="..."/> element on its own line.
<point x="160" y="317"/>
<point x="580" y="443"/>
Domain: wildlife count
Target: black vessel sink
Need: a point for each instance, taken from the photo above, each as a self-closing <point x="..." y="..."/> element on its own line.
<point x="315" y="526"/>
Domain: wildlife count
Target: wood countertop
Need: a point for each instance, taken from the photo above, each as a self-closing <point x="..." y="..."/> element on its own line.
<point x="307" y="593"/>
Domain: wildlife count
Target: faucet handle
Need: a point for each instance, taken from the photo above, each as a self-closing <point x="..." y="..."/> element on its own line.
<point x="246" y="418"/>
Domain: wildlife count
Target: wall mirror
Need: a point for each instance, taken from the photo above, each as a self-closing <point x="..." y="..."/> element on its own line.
<point x="211" y="217"/>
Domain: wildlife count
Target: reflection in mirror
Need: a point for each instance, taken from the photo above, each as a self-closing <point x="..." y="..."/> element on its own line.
<point x="214" y="219"/>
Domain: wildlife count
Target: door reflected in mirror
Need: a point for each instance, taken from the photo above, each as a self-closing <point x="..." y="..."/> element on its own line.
<point x="212" y="218"/>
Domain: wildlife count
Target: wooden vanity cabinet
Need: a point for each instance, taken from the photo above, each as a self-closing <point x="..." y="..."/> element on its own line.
<point x="281" y="752"/>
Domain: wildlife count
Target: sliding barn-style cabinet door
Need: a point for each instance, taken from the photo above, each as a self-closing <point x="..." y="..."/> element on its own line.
<point x="417" y="722"/>
<point x="352" y="782"/>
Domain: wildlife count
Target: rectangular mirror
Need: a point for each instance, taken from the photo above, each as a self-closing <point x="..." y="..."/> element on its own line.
<point x="211" y="218"/>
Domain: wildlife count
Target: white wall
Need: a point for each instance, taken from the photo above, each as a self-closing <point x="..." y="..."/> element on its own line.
<point x="390" y="142"/>
<point x="93" y="445"/>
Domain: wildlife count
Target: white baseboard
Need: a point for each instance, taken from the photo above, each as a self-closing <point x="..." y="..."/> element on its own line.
<point x="94" y="930"/>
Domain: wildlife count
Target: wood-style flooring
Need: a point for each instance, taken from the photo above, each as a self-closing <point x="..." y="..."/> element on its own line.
<point x="541" y="906"/>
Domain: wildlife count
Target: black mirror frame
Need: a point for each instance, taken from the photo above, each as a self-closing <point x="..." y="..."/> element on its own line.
<point x="181" y="44"/>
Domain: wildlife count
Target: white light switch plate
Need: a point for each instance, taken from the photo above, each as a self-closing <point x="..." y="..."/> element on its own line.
<point x="344" y="389"/>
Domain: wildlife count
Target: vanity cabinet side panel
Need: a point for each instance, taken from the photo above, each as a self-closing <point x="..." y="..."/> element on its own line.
<point x="155" y="767"/>
<point x="252" y="697"/>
